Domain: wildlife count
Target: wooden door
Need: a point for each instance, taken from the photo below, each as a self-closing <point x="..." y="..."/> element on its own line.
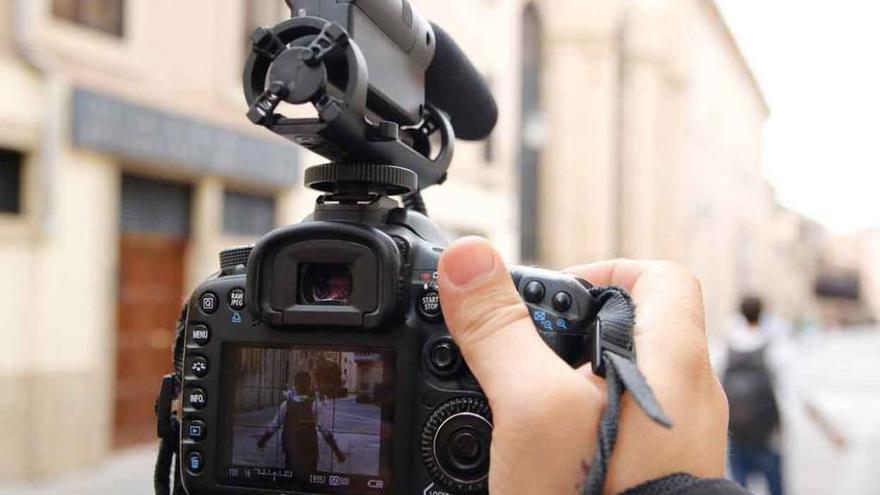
<point x="150" y="294"/>
<point x="154" y="226"/>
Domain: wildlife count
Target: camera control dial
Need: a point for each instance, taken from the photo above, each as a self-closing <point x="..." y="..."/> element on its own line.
<point x="233" y="257"/>
<point x="455" y="444"/>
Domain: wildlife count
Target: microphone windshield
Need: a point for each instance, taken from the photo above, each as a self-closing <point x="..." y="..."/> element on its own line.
<point x="454" y="85"/>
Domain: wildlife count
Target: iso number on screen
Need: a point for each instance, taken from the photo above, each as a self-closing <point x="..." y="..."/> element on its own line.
<point x="332" y="480"/>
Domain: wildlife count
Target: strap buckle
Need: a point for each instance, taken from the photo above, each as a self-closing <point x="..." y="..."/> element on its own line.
<point x="162" y="406"/>
<point x="600" y="345"/>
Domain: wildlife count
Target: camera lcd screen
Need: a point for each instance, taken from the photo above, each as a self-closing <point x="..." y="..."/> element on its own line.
<point x="310" y="418"/>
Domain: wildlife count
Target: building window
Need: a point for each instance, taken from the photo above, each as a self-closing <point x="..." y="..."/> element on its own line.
<point x="10" y="181"/>
<point x="247" y="214"/>
<point x="102" y="15"/>
<point x="155" y="206"/>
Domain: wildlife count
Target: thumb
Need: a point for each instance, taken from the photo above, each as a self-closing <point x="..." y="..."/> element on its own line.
<point x="489" y="321"/>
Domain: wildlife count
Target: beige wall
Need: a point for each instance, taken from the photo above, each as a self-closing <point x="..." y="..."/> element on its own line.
<point x="729" y="203"/>
<point x="578" y="163"/>
<point x="56" y="339"/>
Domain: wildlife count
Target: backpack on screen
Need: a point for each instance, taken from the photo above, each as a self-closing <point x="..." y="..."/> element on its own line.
<point x="754" y="413"/>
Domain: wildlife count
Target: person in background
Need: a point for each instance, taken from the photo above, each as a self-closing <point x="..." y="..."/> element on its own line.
<point x="754" y="409"/>
<point x="752" y="370"/>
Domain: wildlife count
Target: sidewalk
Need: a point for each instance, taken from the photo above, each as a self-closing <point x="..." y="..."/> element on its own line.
<point x="128" y="473"/>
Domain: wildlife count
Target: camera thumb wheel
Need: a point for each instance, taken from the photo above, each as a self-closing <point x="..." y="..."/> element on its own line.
<point x="455" y="445"/>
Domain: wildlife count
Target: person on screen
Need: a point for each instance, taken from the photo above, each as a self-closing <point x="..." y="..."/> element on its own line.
<point x="328" y="389"/>
<point x="296" y="417"/>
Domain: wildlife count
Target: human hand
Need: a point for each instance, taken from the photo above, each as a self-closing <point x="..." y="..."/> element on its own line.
<point x="546" y="414"/>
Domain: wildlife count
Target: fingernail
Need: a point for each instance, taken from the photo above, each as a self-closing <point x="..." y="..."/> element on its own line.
<point x="468" y="260"/>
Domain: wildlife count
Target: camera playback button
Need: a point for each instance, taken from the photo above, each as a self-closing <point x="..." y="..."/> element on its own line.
<point x="196" y="430"/>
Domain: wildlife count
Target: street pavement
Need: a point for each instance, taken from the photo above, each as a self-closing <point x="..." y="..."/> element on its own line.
<point x="838" y="372"/>
<point x="127" y="473"/>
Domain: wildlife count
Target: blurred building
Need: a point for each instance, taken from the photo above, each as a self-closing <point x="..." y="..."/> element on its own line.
<point x="628" y="128"/>
<point x="640" y="135"/>
<point x="794" y="259"/>
<point x="848" y="282"/>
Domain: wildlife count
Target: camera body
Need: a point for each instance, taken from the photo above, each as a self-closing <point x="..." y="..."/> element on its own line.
<point x="318" y="361"/>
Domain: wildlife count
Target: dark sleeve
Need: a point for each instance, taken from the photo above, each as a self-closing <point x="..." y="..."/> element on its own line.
<point x="685" y="484"/>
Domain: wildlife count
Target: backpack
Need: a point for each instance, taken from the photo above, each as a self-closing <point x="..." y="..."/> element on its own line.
<point x="754" y="413"/>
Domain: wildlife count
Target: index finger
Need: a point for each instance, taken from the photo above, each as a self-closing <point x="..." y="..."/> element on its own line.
<point x="620" y="272"/>
<point x="668" y="298"/>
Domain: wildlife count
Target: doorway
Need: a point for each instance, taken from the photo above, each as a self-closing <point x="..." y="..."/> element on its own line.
<point x="154" y="228"/>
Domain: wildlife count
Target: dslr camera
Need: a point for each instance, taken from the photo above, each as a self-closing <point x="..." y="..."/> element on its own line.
<point x="317" y="361"/>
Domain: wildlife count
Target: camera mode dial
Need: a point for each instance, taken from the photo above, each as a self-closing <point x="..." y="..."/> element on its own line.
<point x="230" y="258"/>
<point x="455" y="444"/>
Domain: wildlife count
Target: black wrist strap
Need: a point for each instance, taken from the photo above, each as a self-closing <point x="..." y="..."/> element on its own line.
<point x="166" y="473"/>
<point x="614" y="358"/>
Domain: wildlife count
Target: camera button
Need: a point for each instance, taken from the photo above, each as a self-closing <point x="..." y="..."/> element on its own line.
<point x="429" y="304"/>
<point x="199" y="366"/>
<point x="196" y="399"/>
<point x="561" y="301"/>
<point x="445" y="357"/>
<point x="196" y="430"/>
<point x="455" y="445"/>
<point x="533" y="292"/>
<point x="195" y="463"/>
<point x="236" y="299"/>
<point x="208" y="302"/>
<point x="199" y="334"/>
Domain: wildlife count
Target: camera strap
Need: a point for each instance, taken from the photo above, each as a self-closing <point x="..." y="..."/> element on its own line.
<point x="614" y="358"/>
<point x="167" y="422"/>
